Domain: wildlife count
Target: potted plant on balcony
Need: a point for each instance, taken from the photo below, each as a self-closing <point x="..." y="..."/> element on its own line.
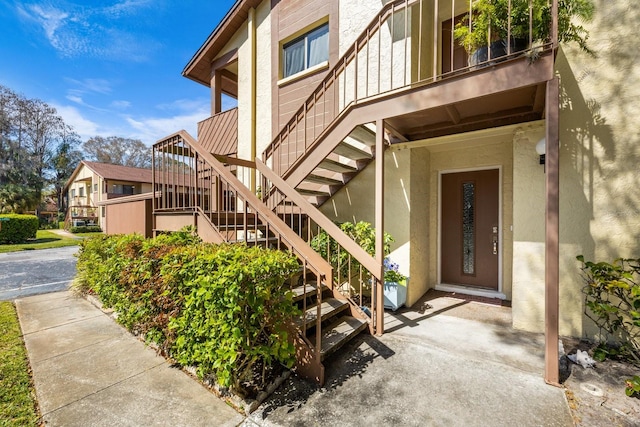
<point x="492" y="25"/>
<point x="395" y="286"/>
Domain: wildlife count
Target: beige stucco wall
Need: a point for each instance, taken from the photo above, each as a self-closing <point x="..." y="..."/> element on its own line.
<point x="600" y="151"/>
<point x="242" y="42"/>
<point x="356" y="202"/>
<point x="528" y="230"/>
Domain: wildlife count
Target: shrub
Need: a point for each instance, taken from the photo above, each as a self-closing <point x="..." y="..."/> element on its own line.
<point x="224" y="309"/>
<point x="86" y="229"/>
<point x="362" y="233"/>
<point x="17" y="228"/>
<point x="612" y="301"/>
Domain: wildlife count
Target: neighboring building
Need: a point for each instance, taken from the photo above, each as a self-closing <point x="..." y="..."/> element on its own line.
<point x="92" y="183"/>
<point x="371" y="113"/>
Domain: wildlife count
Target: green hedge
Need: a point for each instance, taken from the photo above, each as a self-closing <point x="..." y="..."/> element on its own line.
<point x="221" y="308"/>
<point x="18" y="228"/>
<point x="86" y="229"/>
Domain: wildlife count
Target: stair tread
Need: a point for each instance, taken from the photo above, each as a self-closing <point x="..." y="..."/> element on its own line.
<point x="339" y="333"/>
<point x="335" y="166"/>
<point x="364" y="135"/>
<point x="329" y="307"/>
<point x="309" y="192"/>
<point x="347" y="150"/>
<point x="317" y="179"/>
<point x="311" y="287"/>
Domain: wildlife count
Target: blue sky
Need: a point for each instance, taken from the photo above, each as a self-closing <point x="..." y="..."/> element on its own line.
<point x="110" y="68"/>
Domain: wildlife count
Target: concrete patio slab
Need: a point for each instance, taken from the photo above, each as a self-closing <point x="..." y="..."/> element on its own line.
<point x="434" y="369"/>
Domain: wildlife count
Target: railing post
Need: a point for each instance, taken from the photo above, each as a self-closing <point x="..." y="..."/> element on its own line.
<point x="379" y="217"/>
<point x="552" y="227"/>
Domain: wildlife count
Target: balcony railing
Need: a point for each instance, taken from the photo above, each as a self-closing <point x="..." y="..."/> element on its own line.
<point x="401" y="49"/>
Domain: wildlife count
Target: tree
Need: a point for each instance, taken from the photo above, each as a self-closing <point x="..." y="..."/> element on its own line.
<point x="30" y="132"/>
<point x="64" y="161"/>
<point x="118" y="151"/>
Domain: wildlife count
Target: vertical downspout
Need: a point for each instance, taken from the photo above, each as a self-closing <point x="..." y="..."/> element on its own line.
<point x="254" y="100"/>
<point x="552" y="219"/>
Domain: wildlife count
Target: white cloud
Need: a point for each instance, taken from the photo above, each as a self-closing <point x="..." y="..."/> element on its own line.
<point x="121" y="105"/>
<point x="91" y="85"/>
<point x="71" y="116"/>
<point x="91" y="31"/>
<point x="76" y="99"/>
<point x="151" y="129"/>
<point x="148" y="129"/>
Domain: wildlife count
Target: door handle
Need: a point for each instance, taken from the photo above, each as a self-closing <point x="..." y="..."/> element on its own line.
<point x="495" y="247"/>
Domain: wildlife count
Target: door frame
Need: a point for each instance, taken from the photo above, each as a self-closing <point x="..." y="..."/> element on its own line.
<point x="461" y="288"/>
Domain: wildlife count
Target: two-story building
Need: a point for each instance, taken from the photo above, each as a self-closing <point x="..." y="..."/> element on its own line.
<point x="92" y="183"/>
<point x="351" y="110"/>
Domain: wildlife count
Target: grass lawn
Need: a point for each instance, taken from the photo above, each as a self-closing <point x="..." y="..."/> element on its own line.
<point x="17" y="396"/>
<point x="85" y="235"/>
<point x="44" y="240"/>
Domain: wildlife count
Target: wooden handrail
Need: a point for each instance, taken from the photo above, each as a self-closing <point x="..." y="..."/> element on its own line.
<point x="325" y="223"/>
<point x="332" y="75"/>
<point x="301" y="247"/>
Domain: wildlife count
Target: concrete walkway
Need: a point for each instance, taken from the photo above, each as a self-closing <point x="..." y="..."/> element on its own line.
<point x="436" y="366"/>
<point x="88" y="371"/>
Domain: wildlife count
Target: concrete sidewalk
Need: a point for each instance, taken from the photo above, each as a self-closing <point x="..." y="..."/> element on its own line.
<point x="89" y="371"/>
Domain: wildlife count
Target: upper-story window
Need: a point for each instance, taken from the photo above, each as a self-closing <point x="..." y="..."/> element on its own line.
<point x="81" y="190"/>
<point x="73" y="192"/>
<point x="306" y="51"/>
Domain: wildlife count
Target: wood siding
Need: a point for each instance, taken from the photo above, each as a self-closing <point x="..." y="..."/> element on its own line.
<point x="219" y="134"/>
<point x="287" y="18"/>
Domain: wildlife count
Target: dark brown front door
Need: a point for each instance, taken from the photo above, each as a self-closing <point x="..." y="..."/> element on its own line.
<point x="470" y="235"/>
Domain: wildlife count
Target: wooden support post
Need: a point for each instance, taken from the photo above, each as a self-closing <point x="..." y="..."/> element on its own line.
<point x="379" y="217"/>
<point x="216" y="89"/>
<point x="552" y="225"/>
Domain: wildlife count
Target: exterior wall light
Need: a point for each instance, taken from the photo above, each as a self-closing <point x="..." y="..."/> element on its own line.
<point x="541" y="149"/>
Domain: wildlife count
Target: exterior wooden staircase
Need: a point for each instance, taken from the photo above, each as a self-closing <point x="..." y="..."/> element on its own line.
<point x="350" y="156"/>
<point x="336" y="133"/>
<point x="195" y="188"/>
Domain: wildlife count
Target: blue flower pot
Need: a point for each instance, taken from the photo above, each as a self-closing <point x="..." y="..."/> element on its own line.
<point x="395" y="294"/>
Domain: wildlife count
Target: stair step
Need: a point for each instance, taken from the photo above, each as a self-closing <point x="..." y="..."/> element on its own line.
<point x="254" y="240"/>
<point x="250" y="227"/>
<point x="317" y="179"/>
<point x="329" y="308"/>
<point x="314" y="193"/>
<point x="338" y="334"/>
<point x="335" y="166"/>
<point x="364" y="135"/>
<point x="311" y="288"/>
<point x="349" y="151"/>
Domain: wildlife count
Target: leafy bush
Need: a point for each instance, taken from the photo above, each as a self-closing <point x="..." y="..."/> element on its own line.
<point x="17" y="228"/>
<point x="632" y="386"/>
<point x="86" y="229"/>
<point x="362" y="233"/>
<point x="612" y="301"/>
<point x="224" y="309"/>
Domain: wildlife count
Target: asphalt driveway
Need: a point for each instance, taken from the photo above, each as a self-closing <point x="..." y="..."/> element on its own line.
<point x="36" y="272"/>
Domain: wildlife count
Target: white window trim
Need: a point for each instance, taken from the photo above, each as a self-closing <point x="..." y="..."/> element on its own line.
<point x="304" y="73"/>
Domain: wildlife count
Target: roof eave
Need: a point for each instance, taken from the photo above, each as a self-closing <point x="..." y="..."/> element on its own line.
<point x="218" y="38"/>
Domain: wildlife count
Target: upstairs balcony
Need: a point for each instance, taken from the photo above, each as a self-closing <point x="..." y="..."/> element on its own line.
<point x="412" y="68"/>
